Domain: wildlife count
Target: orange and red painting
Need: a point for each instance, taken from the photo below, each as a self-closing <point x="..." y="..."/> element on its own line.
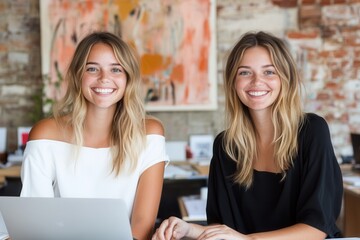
<point x="175" y="40"/>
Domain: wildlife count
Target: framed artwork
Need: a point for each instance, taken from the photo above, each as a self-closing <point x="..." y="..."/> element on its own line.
<point x="201" y="146"/>
<point x="175" y="41"/>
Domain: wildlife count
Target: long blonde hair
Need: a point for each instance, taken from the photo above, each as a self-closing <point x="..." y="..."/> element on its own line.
<point x="287" y="114"/>
<point x="128" y="126"/>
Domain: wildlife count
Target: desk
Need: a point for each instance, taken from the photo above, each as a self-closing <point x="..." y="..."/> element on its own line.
<point x="13" y="171"/>
<point x="173" y="188"/>
<point x="176" y="187"/>
<point x="351" y="218"/>
<point x="351" y="211"/>
<point x="199" y="207"/>
<point x="10" y="182"/>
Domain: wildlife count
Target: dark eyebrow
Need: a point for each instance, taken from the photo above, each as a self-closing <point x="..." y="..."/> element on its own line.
<point x="243" y="67"/>
<point x="269" y="65"/>
<point x="265" y="66"/>
<point x="92" y="63"/>
<point x="113" y="64"/>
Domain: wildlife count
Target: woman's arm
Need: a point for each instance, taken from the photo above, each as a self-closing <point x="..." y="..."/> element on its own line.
<point x="298" y="231"/>
<point x="148" y="193"/>
<point x="176" y="228"/>
<point x="147" y="201"/>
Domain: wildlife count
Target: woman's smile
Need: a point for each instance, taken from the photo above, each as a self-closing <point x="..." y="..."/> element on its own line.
<point x="103" y="91"/>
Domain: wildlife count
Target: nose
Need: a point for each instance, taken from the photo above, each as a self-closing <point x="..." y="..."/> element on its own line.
<point x="104" y="77"/>
<point x="257" y="78"/>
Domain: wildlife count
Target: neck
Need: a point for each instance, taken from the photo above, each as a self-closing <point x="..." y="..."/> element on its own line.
<point x="264" y="127"/>
<point x="265" y="147"/>
<point x="97" y="128"/>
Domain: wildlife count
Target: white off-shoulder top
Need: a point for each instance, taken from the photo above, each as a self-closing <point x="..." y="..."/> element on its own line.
<point x="51" y="169"/>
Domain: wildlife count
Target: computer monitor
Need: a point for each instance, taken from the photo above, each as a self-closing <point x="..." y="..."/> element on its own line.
<point x="355" y="141"/>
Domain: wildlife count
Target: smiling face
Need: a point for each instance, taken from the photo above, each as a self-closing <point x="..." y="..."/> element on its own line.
<point x="104" y="80"/>
<point x="257" y="83"/>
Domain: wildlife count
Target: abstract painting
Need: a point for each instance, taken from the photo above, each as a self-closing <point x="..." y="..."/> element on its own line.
<point x="175" y="40"/>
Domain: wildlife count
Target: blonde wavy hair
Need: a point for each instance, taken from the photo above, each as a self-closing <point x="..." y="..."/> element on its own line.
<point x="128" y="126"/>
<point x="287" y="114"/>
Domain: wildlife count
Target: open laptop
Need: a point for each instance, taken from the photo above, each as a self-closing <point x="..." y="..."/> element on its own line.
<point x="65" y="218"/>
<point x="355" y="141"/>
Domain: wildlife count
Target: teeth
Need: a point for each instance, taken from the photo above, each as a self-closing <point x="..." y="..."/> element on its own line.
<point x="257" y="93"/>
<point x="103" y="90"/>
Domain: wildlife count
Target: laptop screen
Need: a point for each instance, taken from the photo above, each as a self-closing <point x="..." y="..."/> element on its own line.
<point x="65" y="218"/>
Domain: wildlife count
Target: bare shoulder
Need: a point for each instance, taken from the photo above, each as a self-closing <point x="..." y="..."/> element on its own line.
<point x="45" y="129"/>
<point x="153" y="126"/>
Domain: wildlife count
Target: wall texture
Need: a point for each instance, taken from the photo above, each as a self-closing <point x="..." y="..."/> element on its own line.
<point x="324" y="36"/>
<point x="20" y="65"/>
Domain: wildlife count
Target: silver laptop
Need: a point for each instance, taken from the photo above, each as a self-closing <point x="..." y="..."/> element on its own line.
<point x="65" y="218"/>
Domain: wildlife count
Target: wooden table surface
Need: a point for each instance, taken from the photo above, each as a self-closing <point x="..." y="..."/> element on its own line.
<point x="13" y="171"/>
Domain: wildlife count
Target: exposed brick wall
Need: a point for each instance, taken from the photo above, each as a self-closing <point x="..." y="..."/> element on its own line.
<point x="327" y="46"/>
<point x="324" y="36"/>
<point x="20" y="72"/>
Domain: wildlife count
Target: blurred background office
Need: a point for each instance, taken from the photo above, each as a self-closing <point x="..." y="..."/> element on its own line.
<point x="324" y="36"/>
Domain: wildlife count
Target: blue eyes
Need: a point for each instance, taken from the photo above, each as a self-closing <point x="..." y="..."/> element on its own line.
<point x="90" y="69"/>
<point x="268" y="72"/>
<point x="95" y="70"/>
<point x="244" y="73"/>
<point x="116" y="70"/>
<point x="249" y="73"/>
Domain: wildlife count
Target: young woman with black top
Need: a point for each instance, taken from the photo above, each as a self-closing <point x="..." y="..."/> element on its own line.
<point x="273" y="174"/>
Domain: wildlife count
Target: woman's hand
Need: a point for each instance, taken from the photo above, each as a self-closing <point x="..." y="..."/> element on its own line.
<point x="172" y="228"/>
<point x="223" y="232"/>
<point x="175" y="228"/>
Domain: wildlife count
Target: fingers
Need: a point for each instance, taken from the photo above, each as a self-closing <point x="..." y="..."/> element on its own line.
<point x="174" y="230"/>
<point x="160" y="233"/>
<point x="167" y="230"/>
<point x="220" y="232"/>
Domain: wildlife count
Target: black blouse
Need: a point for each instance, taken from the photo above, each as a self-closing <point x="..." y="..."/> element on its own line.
<point x="311" y="193"/>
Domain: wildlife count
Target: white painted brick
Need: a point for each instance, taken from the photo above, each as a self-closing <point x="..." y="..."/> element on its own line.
<point x="18" y="57"/>
<point x="11" y="90"/>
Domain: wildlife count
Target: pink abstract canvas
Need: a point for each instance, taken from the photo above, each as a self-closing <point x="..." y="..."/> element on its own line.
<point x="175" y="40"/>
